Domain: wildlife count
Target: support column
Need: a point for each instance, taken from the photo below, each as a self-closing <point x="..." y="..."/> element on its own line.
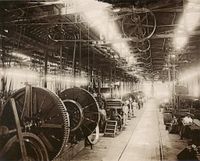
<point x="102" y="78"/>
<point x="61" y="66"/>
<point x="45" y="69"/>
<point x="174" y="79"/>
<point x="74" y="65"/>
<point x="110" y="80"/>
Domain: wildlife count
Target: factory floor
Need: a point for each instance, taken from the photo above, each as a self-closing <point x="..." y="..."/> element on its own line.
<point x="143" y="139"/>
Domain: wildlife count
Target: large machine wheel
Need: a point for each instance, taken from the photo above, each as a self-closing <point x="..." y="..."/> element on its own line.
<point x="94" y="137"/>
<point x="84" y="103"/>
<point x="35" y="149"/>
<point x="40" y="112"/>
<point x="75" y="112"/>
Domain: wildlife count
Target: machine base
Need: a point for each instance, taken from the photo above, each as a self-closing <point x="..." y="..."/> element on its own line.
<point x="72" y="151"/>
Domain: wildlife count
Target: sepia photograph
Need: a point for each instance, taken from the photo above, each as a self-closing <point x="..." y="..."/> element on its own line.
<point x="99" y="80"/>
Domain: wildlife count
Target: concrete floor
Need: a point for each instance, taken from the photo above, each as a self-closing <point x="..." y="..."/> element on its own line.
<point x="108" y="148"/>
<point x="140" y="141"/>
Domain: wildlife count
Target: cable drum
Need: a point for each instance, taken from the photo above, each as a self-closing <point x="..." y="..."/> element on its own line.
<point x="85" y="107"/>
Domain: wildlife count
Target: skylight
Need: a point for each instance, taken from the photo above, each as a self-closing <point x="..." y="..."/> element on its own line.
<point x="188" y="22"/>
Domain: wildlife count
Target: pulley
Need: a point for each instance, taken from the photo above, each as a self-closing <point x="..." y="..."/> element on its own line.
<point x="139" y="25"/>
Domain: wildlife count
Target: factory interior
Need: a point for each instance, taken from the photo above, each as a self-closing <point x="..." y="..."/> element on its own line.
<point x="99" y="80"/>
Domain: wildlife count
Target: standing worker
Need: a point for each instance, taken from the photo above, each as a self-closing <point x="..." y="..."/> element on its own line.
<point x="134" y="106"/>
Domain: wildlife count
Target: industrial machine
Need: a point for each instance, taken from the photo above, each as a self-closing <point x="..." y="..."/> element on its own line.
<point x="116" y="115"/>
<point x="83" y="111"/>
<point x="36" y="125"/>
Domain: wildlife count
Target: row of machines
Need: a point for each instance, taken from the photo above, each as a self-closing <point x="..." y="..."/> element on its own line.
<point x="39" y="125"/>
<point x="182" y="118"/>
